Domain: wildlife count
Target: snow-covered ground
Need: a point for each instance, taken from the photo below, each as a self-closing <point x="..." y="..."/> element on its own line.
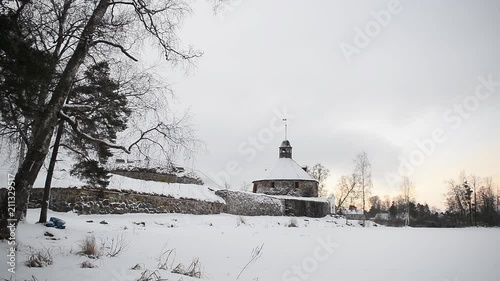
<point x="318" y="249"/>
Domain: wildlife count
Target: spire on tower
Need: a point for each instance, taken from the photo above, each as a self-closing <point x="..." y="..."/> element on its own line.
<point x="285" y="121"/>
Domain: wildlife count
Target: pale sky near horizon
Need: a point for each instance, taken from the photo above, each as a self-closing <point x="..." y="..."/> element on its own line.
<point x="408" y="81"/>
<point x="416" y="76"/>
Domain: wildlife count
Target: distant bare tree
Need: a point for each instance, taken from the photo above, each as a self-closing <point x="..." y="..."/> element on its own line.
<point x="486" y="202"/>
<point x="364" y="176"/>
<point x="455" y="198"/>
<point x="475" y="183"/>
<point x="459" y="198"/>
<point x="320" y="173"/>
<point x="407" y="190"/>
<point x="386" y="203"/>
<point x="346" y="189"/>
<point x="245" y="186"/>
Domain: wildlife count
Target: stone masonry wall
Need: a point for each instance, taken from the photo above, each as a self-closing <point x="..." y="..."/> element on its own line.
<point x="93" y="201"/>
<point x="287" y="187"/>
<point x="250" y="204"/>
<point x="314" y="209"/>
<point x="254" y="204"/>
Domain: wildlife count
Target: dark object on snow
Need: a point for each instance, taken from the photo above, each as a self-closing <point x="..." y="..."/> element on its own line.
<point x="143" y="224"/>
<point x="137" y="267"/>
<point x="48" y="234"/>
<point x="56" y="222"/>
<point x="90" y="221"/>
<point x="103" y="222"/>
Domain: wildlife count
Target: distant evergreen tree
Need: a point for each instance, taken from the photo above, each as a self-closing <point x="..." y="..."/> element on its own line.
<point x="468" y="199"/>
<point x="393" y="210"/>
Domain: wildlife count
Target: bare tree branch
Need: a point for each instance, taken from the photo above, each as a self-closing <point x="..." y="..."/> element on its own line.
<point x="74" y="125"/>
<point x="122" y="49"/>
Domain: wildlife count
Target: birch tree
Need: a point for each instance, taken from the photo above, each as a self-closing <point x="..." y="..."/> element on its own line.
<point x="407" y="192"/>
<point x="364" y="177"/>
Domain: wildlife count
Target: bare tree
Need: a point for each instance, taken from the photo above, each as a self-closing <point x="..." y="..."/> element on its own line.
<point x="245" y="186"/>
<point x="407" y="192"/>
<point x="475" y="183"/>
<point x="486" y="204"/>
<point x="63" y="37"/>
<point x="455" y="198"/>
<point x="386" y="203"/>
<point x="459" y="198"/>
<point x="498" y="198"/>
<point x="364" y="176"/>
<point x="320" y="173"/>
<point x="346" y="189"/>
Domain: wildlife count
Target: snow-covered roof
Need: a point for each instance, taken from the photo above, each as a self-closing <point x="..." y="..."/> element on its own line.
<point x="287" y="169"/>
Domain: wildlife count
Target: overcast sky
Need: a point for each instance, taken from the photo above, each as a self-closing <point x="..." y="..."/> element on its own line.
<point x="414" y="84"/>
<point x="407" y="76"/>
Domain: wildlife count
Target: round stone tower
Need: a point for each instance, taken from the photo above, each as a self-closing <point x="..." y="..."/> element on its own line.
<point x="286" y="177"/>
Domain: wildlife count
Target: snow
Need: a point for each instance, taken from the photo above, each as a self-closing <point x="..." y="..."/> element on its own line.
<point x="318" y="249"/>
<point x="176" y="190"/>
<point x="287" y="169"/>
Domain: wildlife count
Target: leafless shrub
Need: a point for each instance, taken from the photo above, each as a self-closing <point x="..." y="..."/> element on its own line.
<point x="87" y="264"/>
<point x="39" y="257"/>
<point x="148" y="275"/>
<point x="33" y="278"/>
<point x="166" y="259"/>
<point x="88" y="247"/>
<point x="116" y="245"/>
<point x="256" y="254"/>
<point x="193" y="270"/>
<point x="293" y="223"/>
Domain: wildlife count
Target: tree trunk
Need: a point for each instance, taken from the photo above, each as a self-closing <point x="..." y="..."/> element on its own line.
<point x="39" y="146"/>
<point x="22" y="151"/>
<point x="363" y="201"/>
<point x="50" y="173"/>
<point x="475" y="207"/>
<point x="470" y="212"/>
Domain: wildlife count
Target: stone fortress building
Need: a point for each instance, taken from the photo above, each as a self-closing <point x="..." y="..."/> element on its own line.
<point x="286" y="177"/>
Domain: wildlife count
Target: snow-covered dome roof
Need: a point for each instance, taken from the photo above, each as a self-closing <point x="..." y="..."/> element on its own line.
<point x="287" y="169"/>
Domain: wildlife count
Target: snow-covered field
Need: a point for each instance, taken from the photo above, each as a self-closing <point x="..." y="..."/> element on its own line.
<point x="318" y="249"/>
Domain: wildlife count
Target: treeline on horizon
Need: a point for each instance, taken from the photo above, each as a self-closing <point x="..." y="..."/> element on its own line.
<point x="470" y="201"/>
